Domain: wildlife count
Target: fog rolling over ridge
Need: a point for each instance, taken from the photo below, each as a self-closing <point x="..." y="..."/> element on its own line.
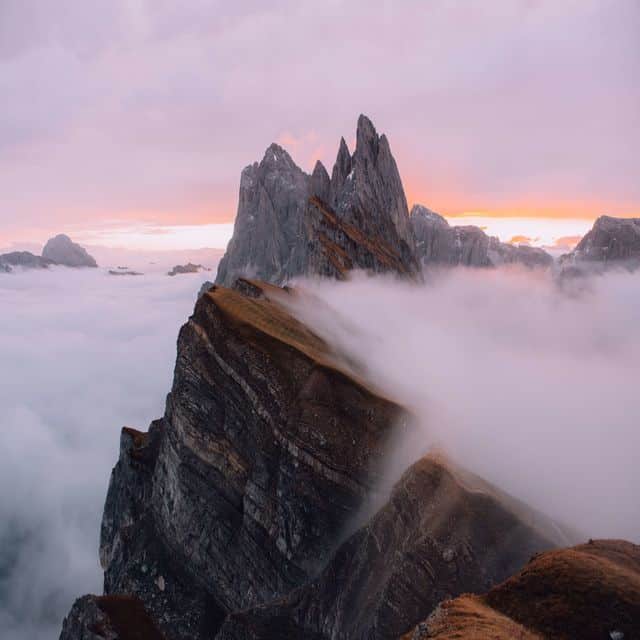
<point x="532" y="389"/>
<point x="82" y="355"/>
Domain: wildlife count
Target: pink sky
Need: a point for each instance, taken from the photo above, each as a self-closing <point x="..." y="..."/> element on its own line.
<point x="140" y="114"/>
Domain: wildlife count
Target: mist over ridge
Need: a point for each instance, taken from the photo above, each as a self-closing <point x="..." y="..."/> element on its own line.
<point x="528" y="387"/>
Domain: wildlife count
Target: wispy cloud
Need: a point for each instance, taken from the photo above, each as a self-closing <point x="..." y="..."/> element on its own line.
<point x="529" y="388"/>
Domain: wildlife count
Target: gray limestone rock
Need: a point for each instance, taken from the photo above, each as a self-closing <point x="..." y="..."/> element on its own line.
<point x="268" y="448"/>
<point x="443" y="532"/>
<point x="439" y="244"/>
<point x="186" y="268"/>
<point x="611" y="243"/>
<point x="23" y="259"/>
<point x="61" y="250"/>
<point x="291" y="224"/>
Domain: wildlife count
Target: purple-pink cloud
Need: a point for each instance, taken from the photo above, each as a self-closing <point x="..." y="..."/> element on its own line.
<point x="148" y="110"/>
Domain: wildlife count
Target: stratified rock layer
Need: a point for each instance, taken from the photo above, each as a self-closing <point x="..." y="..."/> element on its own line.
<point x="442" y="533"/>
<point x="591" y="592"/>
<point x="439" y="244"/>
<point x="240" y="493"/>
<point x="61" y="250"/>
<point x="291" y="224"/>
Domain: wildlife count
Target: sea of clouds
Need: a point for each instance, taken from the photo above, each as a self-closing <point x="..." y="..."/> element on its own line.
<point x="83" y="353"/>
<point x="529" y="386"/>
<point x="533" y="389"/>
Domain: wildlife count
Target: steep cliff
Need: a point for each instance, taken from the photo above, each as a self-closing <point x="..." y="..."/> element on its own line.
<point x="442" y="532"/>
<point x="291" y="224"/>
<point x="439" y="244"/>
<point x="267" y="450"/>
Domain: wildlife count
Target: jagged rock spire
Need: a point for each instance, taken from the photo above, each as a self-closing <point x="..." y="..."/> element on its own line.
<point x="291" y="224"/>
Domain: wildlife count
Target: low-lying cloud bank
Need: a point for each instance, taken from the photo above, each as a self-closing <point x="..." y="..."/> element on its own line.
<point x="83" y="354"/>
<point x="532" y="389"/>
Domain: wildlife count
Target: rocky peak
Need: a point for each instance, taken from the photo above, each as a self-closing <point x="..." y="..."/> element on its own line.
<point x="421" y="214"/>
<point x="320" y="182"/>
<point x="276" y="157"/>
<point x="341" y="169"/>
<point x="281" y="230"/>
<point x="611" y="241"/>
<point x="373" y="197"/>
<point x="62" y="250"/>
<point x="268" y="448"/>
<point x="440" y="244"/>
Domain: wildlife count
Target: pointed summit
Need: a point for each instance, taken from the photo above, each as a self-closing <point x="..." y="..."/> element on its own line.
<point x="290" y="223"/>
<point x="320" y="182"/>
<point x="341" y="169"/>
<point x="365" y="133"/>
<point x="276" y="154"/>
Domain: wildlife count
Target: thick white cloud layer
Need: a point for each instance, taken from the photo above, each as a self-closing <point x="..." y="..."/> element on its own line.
<point x="83" y="354"/>
<point x="532" y="389"/>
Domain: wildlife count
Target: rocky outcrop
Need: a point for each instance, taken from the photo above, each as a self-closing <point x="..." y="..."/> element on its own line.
<point x="109" y="618"/>
<point x="22" y="259"/>
<point x="61" y="250"/>
<point x="439" y="244"/>
<point x="443" y="532"/>
<point x="591" y="591"/>
<point x="268" y="448"/>
<point x="612" y="242"/>
<point x="186" y="268"/>
<point x="291" y="224"/>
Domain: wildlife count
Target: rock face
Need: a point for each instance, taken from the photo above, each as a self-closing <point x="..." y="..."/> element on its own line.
<point x="441" y="533"/>
<point x="61" y="250"/>
<point x="267" y="450"/>
<point x="109" y="618"/>
<point x="612" y="242"/>
<point x="23" y="259"/>
<point x="186" y="268"/>
<point x="291" y="224"/>
<point x="591" y="591"/>
<point x="439" y="244"/>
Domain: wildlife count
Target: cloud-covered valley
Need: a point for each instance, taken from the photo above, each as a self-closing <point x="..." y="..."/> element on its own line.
<point x="531" y="388"/>
<point x="83" y="354"/>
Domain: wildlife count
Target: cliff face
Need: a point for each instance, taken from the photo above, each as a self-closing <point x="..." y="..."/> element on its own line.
<point x="267" y="450"/>
<point x="440" y="534"/>
<point x="291" y="224"/>
<point x="611" y="242"/>
<point x="439" y="244"/>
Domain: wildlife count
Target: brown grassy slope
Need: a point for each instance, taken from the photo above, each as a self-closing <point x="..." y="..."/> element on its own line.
<point x="585" y="592"/>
